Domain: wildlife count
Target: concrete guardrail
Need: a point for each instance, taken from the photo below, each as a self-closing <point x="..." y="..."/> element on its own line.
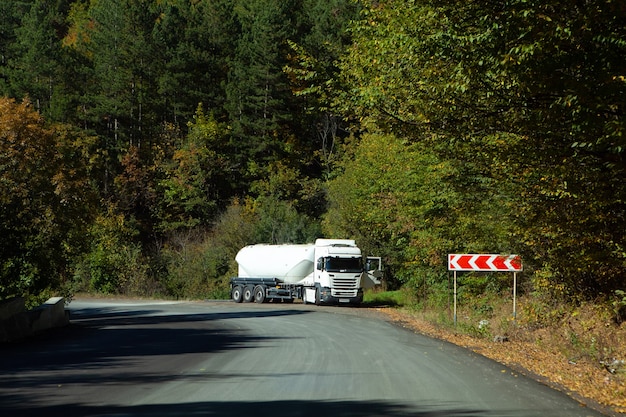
<point x="18" y="323"/>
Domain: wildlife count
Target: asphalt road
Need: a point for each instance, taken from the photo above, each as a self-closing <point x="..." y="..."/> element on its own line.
<point x="227" y="359"/>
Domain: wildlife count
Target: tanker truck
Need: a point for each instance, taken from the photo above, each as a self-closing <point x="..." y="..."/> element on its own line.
<point x="330" y="271"/>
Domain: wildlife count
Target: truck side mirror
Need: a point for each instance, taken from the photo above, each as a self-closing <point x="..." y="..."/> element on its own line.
<point x="320" y="264"/>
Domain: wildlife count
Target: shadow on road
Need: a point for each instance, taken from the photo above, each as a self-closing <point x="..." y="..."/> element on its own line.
<point x="111" y="316"/>
<point x="257" y="409"/>
<point x="103" y="346"/>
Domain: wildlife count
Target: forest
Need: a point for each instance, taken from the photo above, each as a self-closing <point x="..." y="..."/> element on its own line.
<point x="144" y="142"/>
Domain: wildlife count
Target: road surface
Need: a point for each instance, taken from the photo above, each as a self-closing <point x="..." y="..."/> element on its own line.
<point x="132" y="358"/>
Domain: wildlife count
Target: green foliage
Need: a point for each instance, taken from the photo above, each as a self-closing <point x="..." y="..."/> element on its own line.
<point x="195" y="179"/>
<point x="397" y="298"/>
<point x="197" y="267"/>
<point x="476" y="284"/>
<point x="569" y="223"/>
<point x="286" y="183"/>
<point x="235" y="228"/>
<point x="278" y="222"/>
<point x="475" y="330"/>
<point x="401" y="201"/>
<point x="541" y="311"/>
<point x="265" y="219"/>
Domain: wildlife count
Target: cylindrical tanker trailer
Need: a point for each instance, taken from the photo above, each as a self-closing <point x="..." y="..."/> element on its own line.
<point x="289" y="263"/>
<point x="328" y="271"/>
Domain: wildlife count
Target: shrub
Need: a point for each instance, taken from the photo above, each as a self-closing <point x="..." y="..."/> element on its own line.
<point x="115" y="263"/>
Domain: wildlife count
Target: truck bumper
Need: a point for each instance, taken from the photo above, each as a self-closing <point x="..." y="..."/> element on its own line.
<point x="326" y="297"/>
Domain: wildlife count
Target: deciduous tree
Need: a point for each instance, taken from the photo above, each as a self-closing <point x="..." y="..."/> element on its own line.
<point x="525" y="95"/>
<point x="45" y="200"/>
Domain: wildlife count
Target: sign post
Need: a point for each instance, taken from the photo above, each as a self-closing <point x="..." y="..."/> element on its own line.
<point x="485" y="263"/>
<point x="514" y="295"/>
<point x="455" y="298"/>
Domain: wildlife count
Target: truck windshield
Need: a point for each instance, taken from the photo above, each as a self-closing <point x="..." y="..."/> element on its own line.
<point x="344" y="264"/>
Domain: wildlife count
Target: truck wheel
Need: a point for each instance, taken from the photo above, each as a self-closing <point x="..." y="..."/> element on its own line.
<point x="259" y="294"/>
<point x="248" y="294"/>
<point x="237" y="294"/>
<point x="317" y="297"/>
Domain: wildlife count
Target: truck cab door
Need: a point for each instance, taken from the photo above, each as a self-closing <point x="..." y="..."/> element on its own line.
<point x="373" y="273"/>
<point x="319" y="268"/>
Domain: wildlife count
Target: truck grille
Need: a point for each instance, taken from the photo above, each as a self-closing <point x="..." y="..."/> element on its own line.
<point x="345" y="287"/>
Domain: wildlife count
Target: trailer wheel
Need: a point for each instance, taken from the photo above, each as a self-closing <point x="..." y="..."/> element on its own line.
<point x="259" y="294"/>
<point x="248" y="294"/>
<point x="237" y="294"/>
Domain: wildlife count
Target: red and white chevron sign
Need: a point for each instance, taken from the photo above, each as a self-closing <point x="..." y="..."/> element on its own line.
<point x="475" y="262"/>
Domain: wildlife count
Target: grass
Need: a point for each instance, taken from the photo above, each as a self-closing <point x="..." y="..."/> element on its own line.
<point x="379" y="298"/>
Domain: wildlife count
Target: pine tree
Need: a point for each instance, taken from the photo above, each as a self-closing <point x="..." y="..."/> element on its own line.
<point x="257" y="89"/>
<point x="194" y="40"/>
<point x="35" y="62"/>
